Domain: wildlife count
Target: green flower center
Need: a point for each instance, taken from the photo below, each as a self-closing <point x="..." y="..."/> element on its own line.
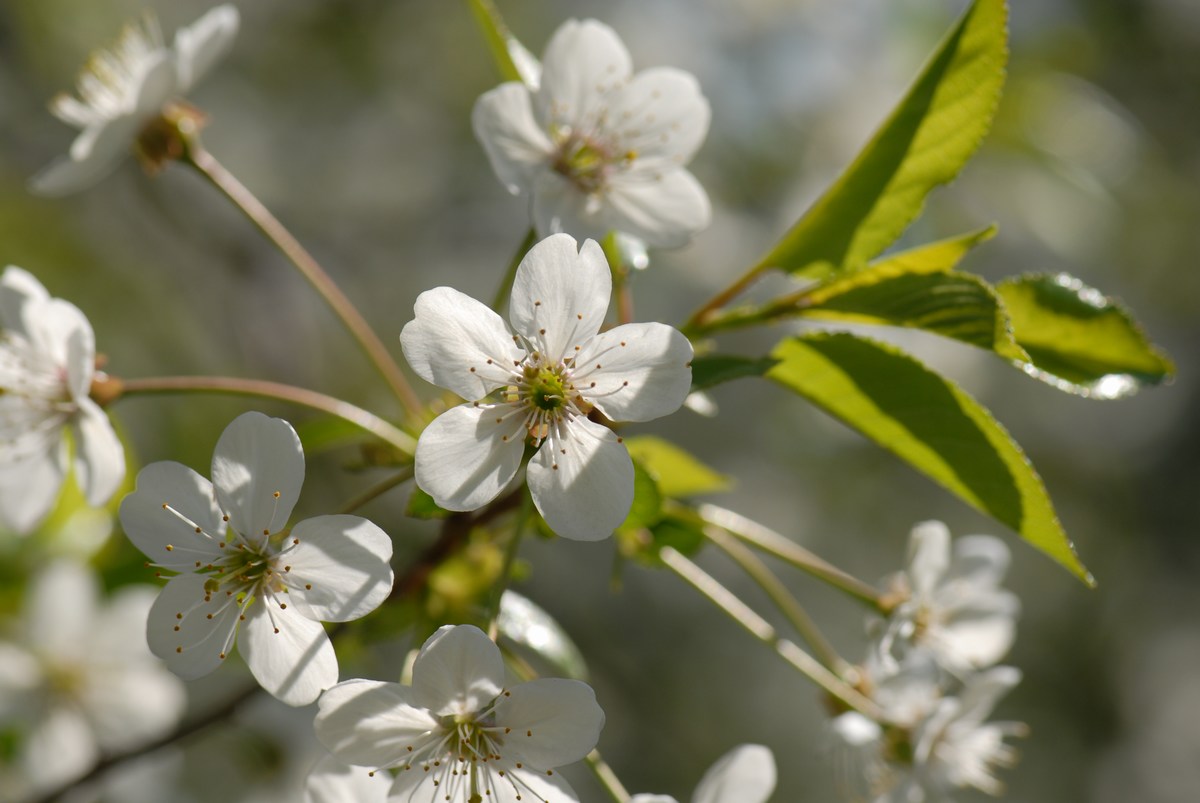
<point x="545" y="388"/>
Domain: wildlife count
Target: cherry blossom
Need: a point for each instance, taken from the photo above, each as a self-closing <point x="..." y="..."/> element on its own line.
<point x="746" y="774"/>
<point x="545" y="384"/>
<point x="47" y="362"/>
<point x="123" y="91"/>
<point x="597" y="148"/>
<point x="458" y="733"/>
<point x="244" y="571"/>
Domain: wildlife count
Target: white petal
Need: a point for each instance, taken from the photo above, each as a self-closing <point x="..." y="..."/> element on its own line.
<point x="345" y="560"/>
<point x="371" y="723"/>
<point x="459" y="344"/>
<point x="665" y="208"/>
<point x="59" y="748"/>
<point x="984" y="690"/>
<point x="980" y="561"/>
<point x="60" y="611"/>
<point x="554" y="721"/>
<point x="99" y="455"/>
<point x="169" y="503"/>
<point x="288" y="654"/>
<point x="200" y="45"/>
<point x="130" y="706"/>
<point x="465" y="457"/>
<point x="582" y="61"/>
<point x="17" y="288"/>
<point x="334" y="781"/>
<point x="60" y="332"/>
<point x="746" y="774"/>
<point x="663" y="117"/>
<point x="257" y="472"/>
<point x="458" y="671"/>
<point x="102" y="148"/>
<point x="928" y="556"/>
<point x="516" y="146"/>
<point x="560" y="294"/>
<point x="560" y="206"/>
<point x="652" y="799"/>
<point x="978" y="635"/>
<point x="21" y="675"/>
<point x="582" y="483"/>
<point x="200" y="643"/>
<point x="641" y="371"/>
<point x="158" y="83"/>
<point x="29" y="487"/>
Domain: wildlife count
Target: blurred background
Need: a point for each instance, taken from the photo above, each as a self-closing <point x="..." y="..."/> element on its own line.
<point x="350" y="120"/>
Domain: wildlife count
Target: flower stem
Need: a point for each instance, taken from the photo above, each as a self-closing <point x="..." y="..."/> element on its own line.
<point x="762" y="630"/>
<point x="620" y="277"/>
<point x="607" y="778"/>
<point x="377" y="490"/>
<point x="362" y="419"/>
<point x="505" y="288"/>
<point x="695" y="325"/>
<point x="783" y="599"/>
<point x="204" y="163"/>
<point x="789" y="551"/>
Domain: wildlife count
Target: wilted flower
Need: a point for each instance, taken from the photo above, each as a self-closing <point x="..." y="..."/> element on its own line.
<point x="243" y="569"/>
<point x="458" y="734"/>
<point x="47" y="361"/>
<point x="746" y="774"/>
<point x="597" y="148"/>
<point x="81" y="680"/>
<point x="124" y="91"/>
<point x="543" y="383"/>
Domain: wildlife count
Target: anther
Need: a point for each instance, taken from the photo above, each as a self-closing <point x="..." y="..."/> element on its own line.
<point x="472" y="369"/>
<point x="541" y="331"/>
<point x="277" y="494"/>
<point x="170" y="548"/>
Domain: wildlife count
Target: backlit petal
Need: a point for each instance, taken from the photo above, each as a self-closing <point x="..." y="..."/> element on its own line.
<point x="662" y="117"/>
<point x="582" y="62"/>
<point x="334" y="781"/>
<point x="665" y="208"/>
<point x="345" y="561"/>
<point x="371" y="723"/>
<point x="560" y="294"/>
<point x="200" y="45"/>
<point x="746" y="774"/>
<point x="171" y="501"/>
<point x="516" y="145"/>
<point x="257" y="472"/>
<point x="582" y="481"/>
<point x="191" y="634"/>
<point x="458" y="671"/>
<point x="466" y="456"/>
<point x="99" y="455"/>
<point x="553" y="721"/>
<point x="641" y="371"/>
<point x="459" y="344"/>
<point x="288" y="654"/>
<point x="29" y="487"/>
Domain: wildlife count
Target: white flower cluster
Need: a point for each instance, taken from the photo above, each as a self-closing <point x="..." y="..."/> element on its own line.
<point x="932" y="673"/>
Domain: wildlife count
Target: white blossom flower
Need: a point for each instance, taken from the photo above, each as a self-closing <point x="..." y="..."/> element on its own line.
<point x="124" y="90"/>
<point x="546" y="378"/>
<point x="334" y="781"/>
<point x="954" y="605"/>
<point x="243" y="569"/>
<point x="458" y="734"/>
<point x="81" y="680"/>
<point x="47" y="361"/>
<point x="746" y="774"/>
<point x="930" y="745"/>
<point x="597" y="148"/>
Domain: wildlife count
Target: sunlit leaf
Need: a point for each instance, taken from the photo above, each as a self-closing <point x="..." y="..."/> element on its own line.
<point x="677" y="473"/>
<point x="422" y="506"/>
<point x="647" y="501"/>
<point x="525" y="623"/>
<point x="1079" y="340"/>
<point x="924" y="143"/>
<point x="931" y="424"/>
<point x="919" y="289"/>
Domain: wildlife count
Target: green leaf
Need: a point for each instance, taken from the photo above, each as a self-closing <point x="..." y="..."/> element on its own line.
<point x="422" y="506"/>
<point x="325" y="433"/>
<point x="924" y="143"/>
<point x="676" y="473"/>
<point x="1079" y="340"/>
<point x="918" y="289"/>
<point x="927" y="421"/>
<point x="647" y="501"/>
<point x="514" y="62"/>
<point x="715" y="369"/>
<point x="525" y="623"/>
